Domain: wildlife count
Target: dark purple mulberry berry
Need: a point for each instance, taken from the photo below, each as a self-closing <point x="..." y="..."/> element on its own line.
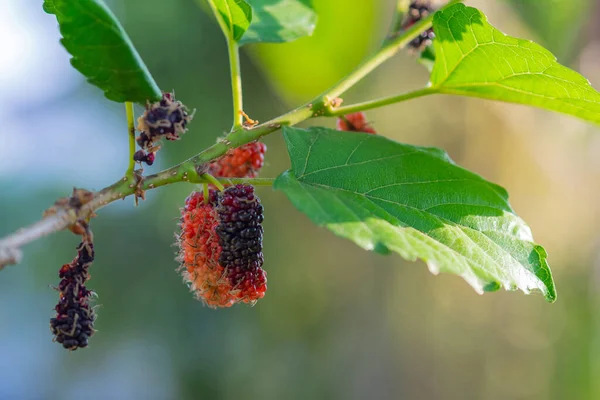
<point x="73" y="324"/>
<point x="240" y="234"/>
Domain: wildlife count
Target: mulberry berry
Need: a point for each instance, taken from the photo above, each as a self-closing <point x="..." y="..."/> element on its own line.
<point x="242" y="162"/>
<point x="73" y="324"/>
<point x="221" y="246"/>
<point x="355" y="122"/>
<point x="141" y="156"/>
<point x="418" y="10"/>
<point x="167" y="118"/>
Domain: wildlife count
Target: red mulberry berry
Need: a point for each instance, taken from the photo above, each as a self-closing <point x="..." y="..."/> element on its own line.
<point x="167" y="118"/>
<point x="221" y="246"/>
<point x="355" y="122"/>
<point x="73" y="324"/>
<point x="242" y="162"/>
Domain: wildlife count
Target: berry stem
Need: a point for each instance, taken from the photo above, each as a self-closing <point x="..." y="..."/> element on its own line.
<point x="206" y="192"/>
<point x="384" y="101"/>
<point x="211" y="179"/>
<point x="131" y="131"/>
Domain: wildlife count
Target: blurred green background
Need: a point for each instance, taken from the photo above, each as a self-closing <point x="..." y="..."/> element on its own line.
<point x="337" y="322"/>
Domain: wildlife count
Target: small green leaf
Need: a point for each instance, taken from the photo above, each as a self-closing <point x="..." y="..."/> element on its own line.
<point x="415" y="201"/>
<point x="102" y="51"/>
<point x="234" y="17"/>
<point x="277" y="21"/>
<point x="475" y="59"/>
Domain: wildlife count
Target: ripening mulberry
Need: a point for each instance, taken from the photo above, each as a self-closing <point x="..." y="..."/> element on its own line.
<point x="220" y="246"/>
<point x="73" y="324"/>
<point x="242" y="162"/>
<point x="167" y="118"/>
<point x="141" y="156"/>
<point x="355" y="122"/>
<point x="418" y="10"/>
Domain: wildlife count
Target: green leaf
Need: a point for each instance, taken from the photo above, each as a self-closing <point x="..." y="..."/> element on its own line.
<point x="386" y="196"/>
<point x="234" y="17"/>
<point x="277" y="21"/>
<point x="102" y="51"/>
<point x="475" y="59"/>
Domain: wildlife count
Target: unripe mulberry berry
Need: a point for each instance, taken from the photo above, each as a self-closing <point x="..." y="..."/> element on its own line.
<point x="167" y="118"/>
<point x="221" y="246"/>
<point x="242" y="162"/>
<point x="73" y="324"/>
<point x="355" y="122"/>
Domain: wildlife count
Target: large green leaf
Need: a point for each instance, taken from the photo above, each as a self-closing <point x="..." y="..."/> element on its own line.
<point x="102" y="51"/>
<point x="277" y="21"/>
<point x="234" y="16"/>
<point x="475" y="59"/>
<point x="414" y="201"/>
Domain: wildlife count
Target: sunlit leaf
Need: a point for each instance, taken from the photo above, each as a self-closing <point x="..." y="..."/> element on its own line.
<point x="386" y="196"/>
<point x="475" y="59"/>
<point x="102" y="51"/>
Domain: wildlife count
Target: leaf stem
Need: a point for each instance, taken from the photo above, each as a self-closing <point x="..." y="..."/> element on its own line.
<point x="384" y="101"/>
<point x="236" y="82"/>
<point x="131" y="132"/>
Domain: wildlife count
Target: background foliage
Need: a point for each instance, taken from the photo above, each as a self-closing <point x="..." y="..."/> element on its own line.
<point x="337" y="322"/>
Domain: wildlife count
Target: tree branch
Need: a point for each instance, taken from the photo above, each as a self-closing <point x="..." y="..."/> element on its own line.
<point x="192" y="169"/>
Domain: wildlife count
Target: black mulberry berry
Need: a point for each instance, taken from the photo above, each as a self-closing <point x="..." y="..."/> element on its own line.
<point x="73" y="324"/>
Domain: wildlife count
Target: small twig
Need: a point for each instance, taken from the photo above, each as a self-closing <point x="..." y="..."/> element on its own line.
<point x="384" y="101"/>
<point x="10" y="246"/>
<point x="10" y="252"/>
